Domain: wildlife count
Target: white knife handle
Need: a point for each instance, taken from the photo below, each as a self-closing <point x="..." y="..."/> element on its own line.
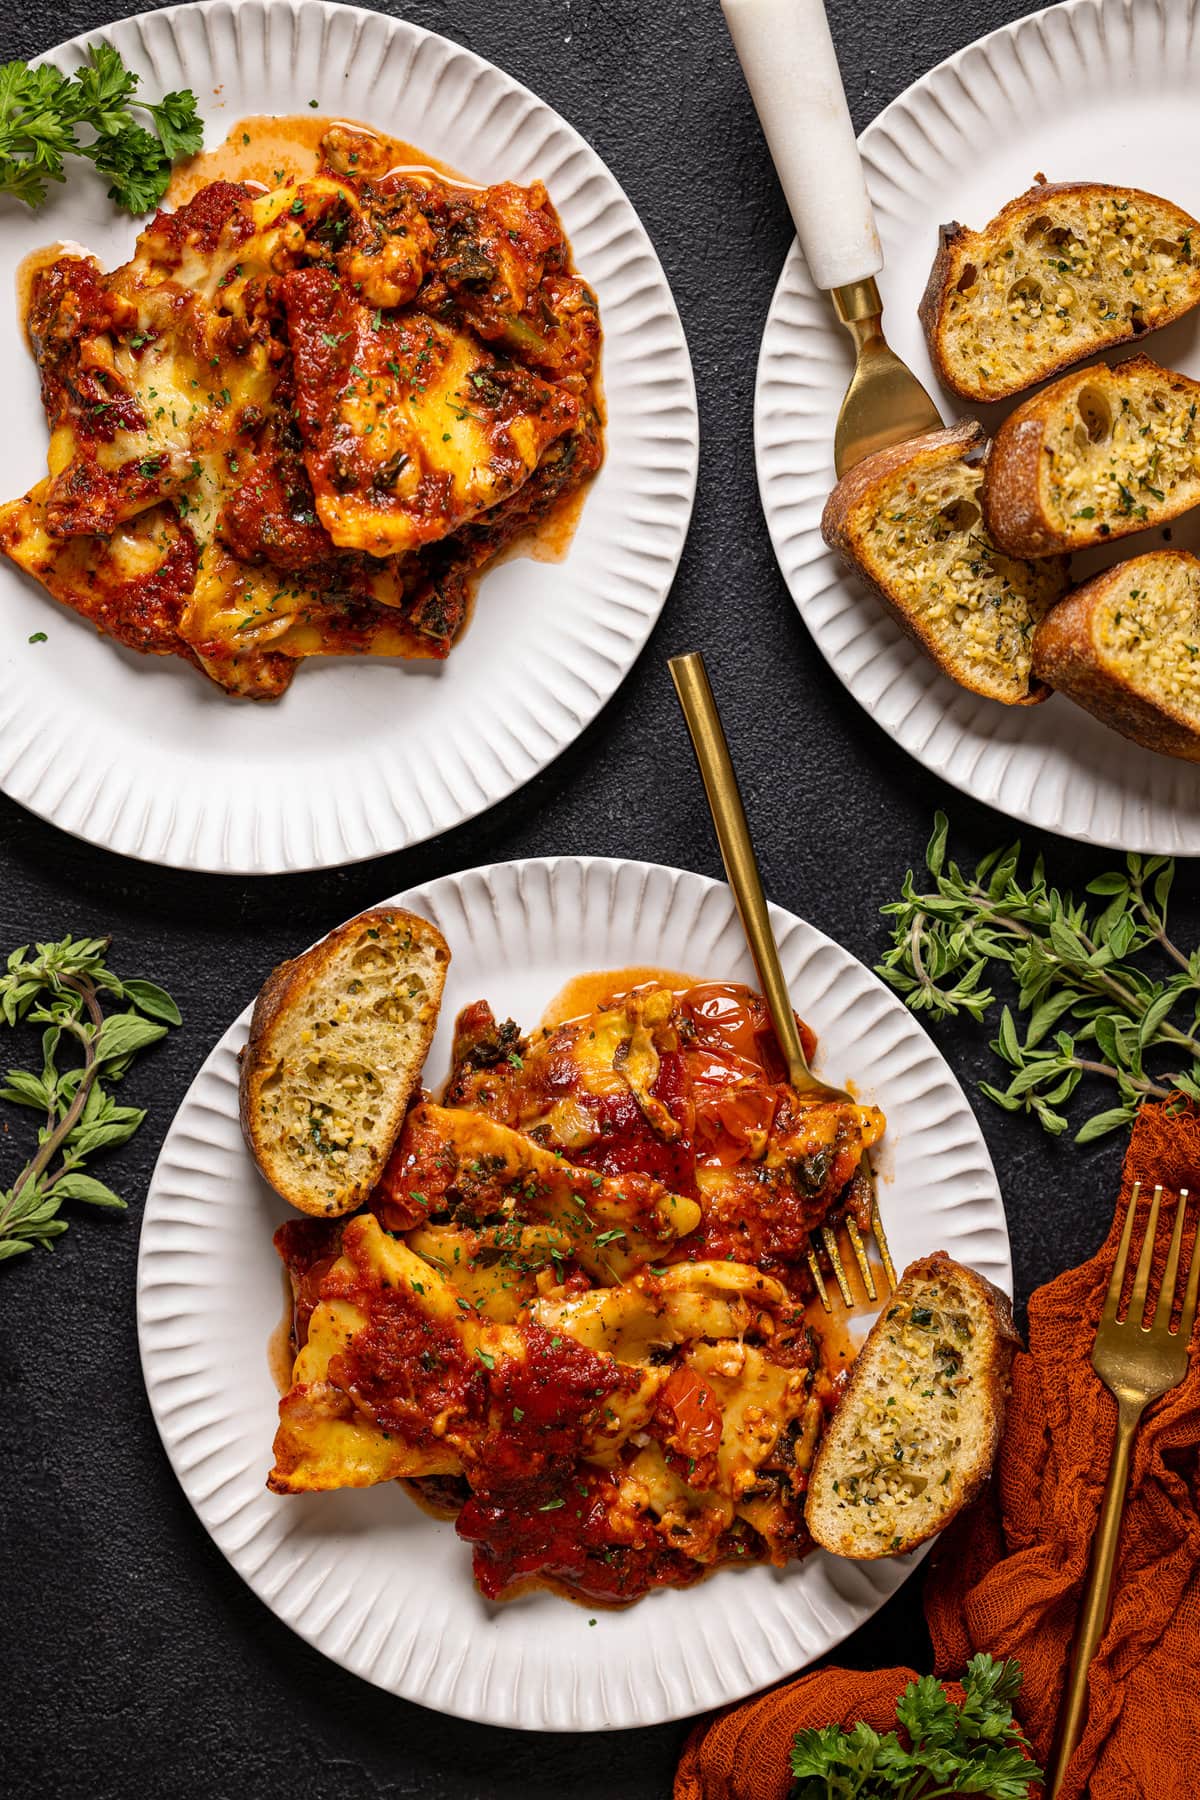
<point x="791" y="69"/>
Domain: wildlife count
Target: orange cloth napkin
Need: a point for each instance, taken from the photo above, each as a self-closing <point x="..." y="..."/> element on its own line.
<point x="1008" y="1575"/>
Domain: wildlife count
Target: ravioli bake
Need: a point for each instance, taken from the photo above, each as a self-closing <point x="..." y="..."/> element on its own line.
<point x="299" y="420"/>
<point x="573" y="1314"/>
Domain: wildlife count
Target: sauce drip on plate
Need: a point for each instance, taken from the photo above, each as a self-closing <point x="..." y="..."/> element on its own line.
<point x="270" y="152"/>
<point x="584" y="993"/>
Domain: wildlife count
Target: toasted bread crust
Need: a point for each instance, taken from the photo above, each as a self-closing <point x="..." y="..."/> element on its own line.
<point x="956" y="245"/>
<point x="280" y="993"/>
<point x="989" y="1402"/>
<point x="952" y="443"/>
<point x="947" y="444"/>
<point x="1067" y="654"/>
<point x="1021" y="457"/>
<point x="1010" y="494"/>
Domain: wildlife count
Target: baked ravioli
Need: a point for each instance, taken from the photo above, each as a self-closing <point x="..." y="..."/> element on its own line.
<point x="574" y="1314"/>
<point x="296" y="423"/>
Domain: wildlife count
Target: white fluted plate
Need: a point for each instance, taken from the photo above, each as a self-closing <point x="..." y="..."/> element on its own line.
<point x="1097" y="90"/>
<point x="367" y="1578"/>
<point x="361" y="756"/>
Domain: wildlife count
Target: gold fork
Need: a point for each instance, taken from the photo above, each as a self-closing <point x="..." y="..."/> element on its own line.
<point x="791" y="69"/>
<point x="1136" y="1363"/>
<point x="741" y="869"/>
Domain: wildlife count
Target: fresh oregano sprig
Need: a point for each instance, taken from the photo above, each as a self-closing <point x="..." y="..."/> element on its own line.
<point x="68" y="989"/>
<point x="1100" y="990"/>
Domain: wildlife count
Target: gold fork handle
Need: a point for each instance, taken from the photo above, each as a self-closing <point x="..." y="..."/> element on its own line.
<point x="1093" y="1613"/>
<point x="737" y="853"/>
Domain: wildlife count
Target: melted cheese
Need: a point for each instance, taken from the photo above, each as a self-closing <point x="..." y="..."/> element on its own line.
<point x="757" y="1398"/>
<point x="673" y="1397"/>
<point x="132" y="584"/>
<point x="324" y="1440"/>
<point x="177" y="379"/>
<point x="411" y="428"/>
<point x="494" y="1268"/>
<point x="610" y="1235"/>
<point x="689" y="1301"/>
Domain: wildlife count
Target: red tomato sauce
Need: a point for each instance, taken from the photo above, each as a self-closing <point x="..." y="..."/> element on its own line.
<point x="405" y="1369"/>
<point x="718" y="1124"/>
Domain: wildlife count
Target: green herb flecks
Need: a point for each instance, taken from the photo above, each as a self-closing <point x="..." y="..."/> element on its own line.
<point x="1085" y="979"/>
<point x="68" y="989"/>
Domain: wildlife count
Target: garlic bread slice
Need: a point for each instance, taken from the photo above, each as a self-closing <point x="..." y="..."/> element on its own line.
<point x="1126" y="647"/>
<point x="908" y="520"/>
<point x="337" y="1043"/>
<point x="1063" y="271"/>
<point x="916" y="1432"/>
<point x="1100" y="454"/>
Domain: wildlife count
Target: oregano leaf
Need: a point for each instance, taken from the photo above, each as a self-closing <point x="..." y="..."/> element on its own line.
<point x="65" y="986"/>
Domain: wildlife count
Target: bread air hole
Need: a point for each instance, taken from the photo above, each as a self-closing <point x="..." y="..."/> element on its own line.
<point x="1025" y="294"/>
<point x="1052" y="236"/>
<point x="967" y="279"/>
<point x="961" y="515"/>
<point x="370" y="958"/>
<point x="1095" y="413"/>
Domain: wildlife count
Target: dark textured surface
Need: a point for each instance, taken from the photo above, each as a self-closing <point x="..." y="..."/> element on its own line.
<point x="134" y="1661"/>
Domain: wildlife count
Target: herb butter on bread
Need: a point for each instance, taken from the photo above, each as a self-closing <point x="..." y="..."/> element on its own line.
<point x="337" y="1043"/>
<point x="1095" y="456"/>
<point x="1061" y="272"/>
<point x="1126" y="646"/>
<point x="908" y="520"/>
<point x="917" y="1429"/>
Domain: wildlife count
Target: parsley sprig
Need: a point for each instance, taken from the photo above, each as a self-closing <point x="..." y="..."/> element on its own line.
<point x="66" y="988"/>
<point x="1104" y="990"/>
<point x="43" y="112"/>
<point x="975" y="1748"/>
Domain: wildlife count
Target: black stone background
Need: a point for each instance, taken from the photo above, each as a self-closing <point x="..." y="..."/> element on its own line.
<point x="134" y="1661"/>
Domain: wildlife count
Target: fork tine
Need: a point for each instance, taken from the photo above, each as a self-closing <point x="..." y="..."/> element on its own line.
<point x="1116" y="1280"/>
<point x="860" y="1257"/>
<point x="1141" y="1281"/>
<point x="829" y="1239"/>
<point x="1187" y="1315"/>
<point x="889" y="1267"/>
<point x="1166" y="1296"/>
<point x="814" y="1269"/>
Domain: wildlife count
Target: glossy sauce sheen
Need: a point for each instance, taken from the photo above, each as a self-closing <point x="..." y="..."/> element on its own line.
<point x="843" y="1331"/>
<point x="28" y="269"/>
<point x="262" y="472"/>
<point x="580" y="995"/>
<point x="270" y="152"/>
<point x="584" y="993"/>
<point x="281" y="1345"/>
